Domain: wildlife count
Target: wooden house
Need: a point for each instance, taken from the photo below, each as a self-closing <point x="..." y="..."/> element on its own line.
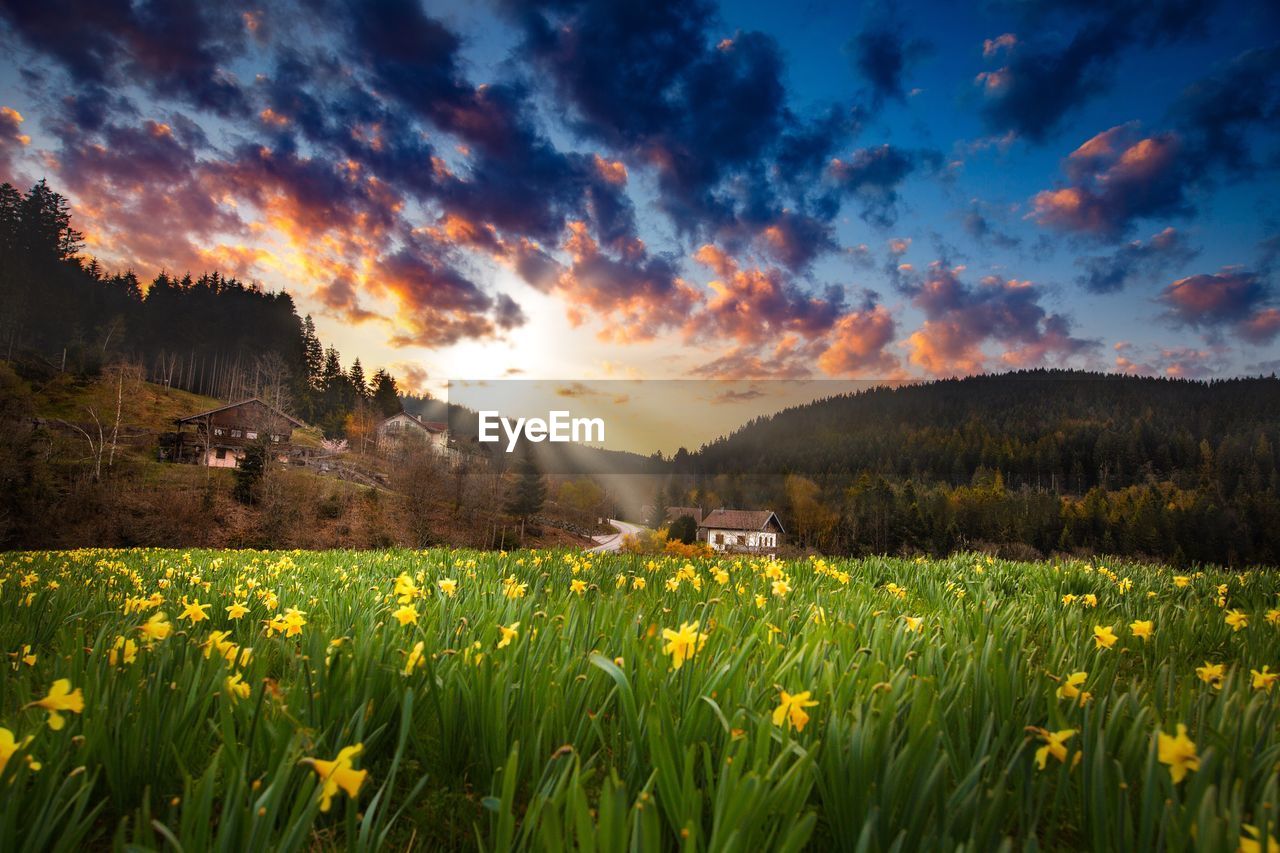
<point x="742" y="530"/>
<point x="404" y="430"/>
<point x="218" y="437"/>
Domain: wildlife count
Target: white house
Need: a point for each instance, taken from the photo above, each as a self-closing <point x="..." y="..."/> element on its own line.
<point x="403" y="429"/>
<point x="751" y="531"/>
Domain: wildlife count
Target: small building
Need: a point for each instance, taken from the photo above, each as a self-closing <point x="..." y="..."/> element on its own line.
<point x="404" y="430"/>
<point x="742" y="530"/>
<point x="676" y="512"/>
<point x="220" y="436"/>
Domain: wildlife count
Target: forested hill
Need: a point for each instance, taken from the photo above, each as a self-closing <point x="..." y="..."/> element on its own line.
<point x="1065" y="431"/>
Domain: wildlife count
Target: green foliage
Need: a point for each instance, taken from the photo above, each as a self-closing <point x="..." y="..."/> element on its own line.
<point x="528" y="491"/>
<point x="579" y="733"/>
<point x="249" y="474"/>
<point x="683" y="529"/>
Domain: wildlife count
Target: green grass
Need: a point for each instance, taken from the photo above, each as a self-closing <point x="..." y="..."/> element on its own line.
<point x="581" y="733"/>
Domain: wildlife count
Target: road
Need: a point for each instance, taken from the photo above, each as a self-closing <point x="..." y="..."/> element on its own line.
<point x="613" y="541"/>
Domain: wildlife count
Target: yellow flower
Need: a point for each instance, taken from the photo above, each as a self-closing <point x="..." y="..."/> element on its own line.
<point x="637" y="582"/>
<point x="1179" y="752"/>
<point x="293" y="622"/>
<point x="406" y="614"/>
<point x="1070" y="689"/>
<point x="236" y="687"/>
<point x="508" y="634"/>
<point x="123" y="651"/>
<point x="1103" y="637"/>
<point x="8" y="746"/>
<point x="157" y="627"/>
<point x="61" y="698"/>
<point x="683" y="644"/>
<point x="1068" y="599"/>
<point x="1212" y="673"/>
<point x="1089" y="600"/>
<point x="791" y="710"/>
<point x="577" y="586"/>
<point x="193" y="611"/>
<point x="338" y="774"/>
<point x="914" y="623"/>
<point x="236" y="610"/>
<point x="406" y="589"/>
<point x="1251" y="841"/>
<point x="448" y="586"/>
<point x="1237" y="619"/>
<point x="1265" y="679"/>
<point x="721" y="576"/>
<point x="761" y="601"/>
<point x="1054" y="744"/>
<point x="415" y="658"/>
<point x="1273" y="616"/>
<point x="1181" y="581"/>
<point x="1142" y="628"/>
<point x="781" y="588"/>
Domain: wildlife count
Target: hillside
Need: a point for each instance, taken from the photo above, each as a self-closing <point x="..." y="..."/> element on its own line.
<point x="53" y="465"/>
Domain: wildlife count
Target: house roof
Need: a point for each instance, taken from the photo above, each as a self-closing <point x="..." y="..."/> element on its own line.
<point x="674" y="512"/>
<point x="429" y="426"/>
<point x="740" y="519"/>
<point x="197" y="416"/>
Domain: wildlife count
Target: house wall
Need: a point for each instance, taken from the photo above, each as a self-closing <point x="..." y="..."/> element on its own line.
<point x="747" y="540"/>
<point x="230" y="459"/>
<point x="403" y="428"/>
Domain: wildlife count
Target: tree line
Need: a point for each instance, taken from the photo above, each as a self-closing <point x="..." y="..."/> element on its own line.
<point x="210" y="334"/>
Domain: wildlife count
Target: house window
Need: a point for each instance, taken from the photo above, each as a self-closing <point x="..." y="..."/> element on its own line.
<point x="275" y="439"/>
<point x="235" y="433"/>
<point x="251" y="435"/>
<point x="220" y="453"/>
<point x="719" y="538"/>
<point x="217" y="430"/>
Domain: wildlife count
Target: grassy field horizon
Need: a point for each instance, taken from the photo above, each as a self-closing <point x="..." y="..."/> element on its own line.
<point x="447" y="699"/>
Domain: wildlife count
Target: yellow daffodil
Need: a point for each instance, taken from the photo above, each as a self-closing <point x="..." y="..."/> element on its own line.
<point x="1237" y="619"/>
<point x="194" y="611"/>
<point x="781" y="588"/>
<point x="1179" y="752"/>
<point x="1273" y="616"/>
<point x="1103" y="637"/>
<point x="914" y="623"/>
<point x="1055" y="744"/>
<point x="9" y="745"/>
<point x="683" y="644"/>
<point x="1070" y="688"/>
<point x="124" y="651"/>
<point x="156" y="628"/>
<point x="406" y="614"/>
<point x="414" y="660"/>
<point x="61" y="699"/>
<point x="338" y="774"/>
<point x="1265" y="679"/>
<point x="577" y="586"/>
<point x="637" y="582"/>
<point x="406" y="589"/>
<point x="1142" y="628"/>
<point x="508" y="634"/>
<point x="235" y="685"/>
<point x="1068" y="599"/>
<point x="448" y="586"/>
<point x="791" y="710"/>
<point x="1251" y="841"/>
<point x="236" y="610"/>
<point x="1212" y="673"/>
<point x="1089" y="600"/>
<point x="1181" y="581"/>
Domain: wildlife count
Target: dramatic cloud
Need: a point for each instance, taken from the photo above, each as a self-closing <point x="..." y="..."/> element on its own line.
<point x="1174" y="362"/>
<point x="1231" y="299"/>
<point x="1216" y="112"/>
<point x="1044" y="77"/>
<point x="960" y="319"/>
<point x="872" y="177"/>
<point x="882" y="54"/>
<point x="12" y="140"/>
<point x="1114" y="179"/>
<point x="1136" y="260"/>
<point x="179" y="50"/>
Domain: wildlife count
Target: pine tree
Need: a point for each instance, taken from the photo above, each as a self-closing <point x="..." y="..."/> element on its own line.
<point x="358" y="383"/>
<point x="312" y="353"/>
<point x="385" y="397"/>
<point x="528" y="492"/>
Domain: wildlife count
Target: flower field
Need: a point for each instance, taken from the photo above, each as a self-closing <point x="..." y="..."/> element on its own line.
<point x="246" y="700"/>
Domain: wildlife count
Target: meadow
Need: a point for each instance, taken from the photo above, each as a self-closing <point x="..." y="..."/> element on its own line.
<point x="251" y="700"/>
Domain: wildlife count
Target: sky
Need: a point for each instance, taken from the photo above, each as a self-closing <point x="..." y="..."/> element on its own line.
<point x="561" y="189"/>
